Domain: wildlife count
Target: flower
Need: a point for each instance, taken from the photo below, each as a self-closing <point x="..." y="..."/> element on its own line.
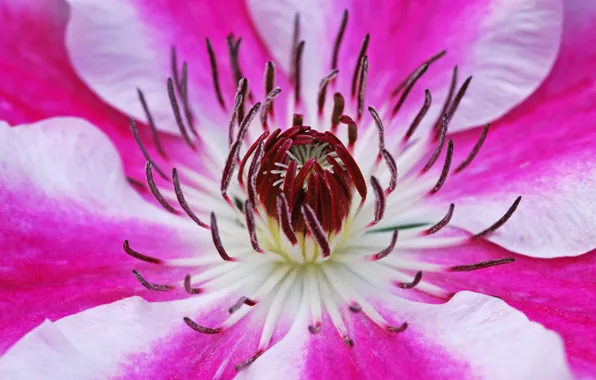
<point x="278" y="256"/>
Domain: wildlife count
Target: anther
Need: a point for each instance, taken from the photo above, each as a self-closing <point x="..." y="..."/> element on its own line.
<point x="174" y="68"/>
<point x="233" y="50"/>
<point x="297" y="119"/>
<point x="429" y="61"/>
<point x="359" y="62"/>
<point x="135" y="134"/>
<point x="380" y="201"/>
<point x="352" y="130"/>
<point x="474" y="151"/>
<point x="338" y="109"/>
<point x="238" y="100"/>
<point x="155" y="190"/>
<point x="355" y="308"/>
<point x="409" y="85"/>
<point x="395" y="329"/>
<point x="151" y="122"/>
<point x="323" y="90"/>
<point x="268" y="106"/>
<point x="338" y="39"/>
<point x="450" y="93"/>
<point x="182" y="201"/>
<point x="435" y="156"/>
<point x="251" y="226"/>
<point x="140" y="256"/>
<point x="253" y="172"/>
<point x="150" y="285"/>
<point x="248" y="361"/>
<point x="482" y="265"/>
<point x="177" y="115"/>
<point x="214" y="74"/>
<point x="269" y="77"/>
<point x="316" y="230"/>
<point x="217" y="240"/>
<point x="441" y="223"/>
<point x="446" y="166"/>
<point x="298" y="72"/>
<point x="380" y="127"/>
<point x="499" y="222"/>
<point x="410" y="285"/>
<point x="392" y="165"/>
<point x="362" y="87"/>
<point x="201" y="329"/>
<point x="348" y="341"/>
<point x="241" y="301"/>
<point x="228" y="171"/>
<point x="419" y="116"/>
<point x="386" y="251"/>
<point x="188" y="286"/>
<point x="283" y="215"/>
<point x="246" y="122"/>
<point x="294" y="48"/>
<point x="458" y="97"/>
<point x="185" y="102"/>
<point x="314" y="329"/>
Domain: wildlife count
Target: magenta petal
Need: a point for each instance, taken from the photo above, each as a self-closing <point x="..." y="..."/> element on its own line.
<point x="67" y="208"/>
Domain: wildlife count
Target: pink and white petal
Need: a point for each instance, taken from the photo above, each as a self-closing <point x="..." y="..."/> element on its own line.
<point x="542" y="151"/>
<point x="141" y="35"/>
<point x="524" y="34"/>
<point x="67" y="210"/>
<point x="471" y="336"/>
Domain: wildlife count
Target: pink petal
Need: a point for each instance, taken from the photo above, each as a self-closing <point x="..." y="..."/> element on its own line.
<point x="117" y="46"/>
<point x="542" y="151"/>
<point x="67" y="210"/>
<point x="508" y="46"/>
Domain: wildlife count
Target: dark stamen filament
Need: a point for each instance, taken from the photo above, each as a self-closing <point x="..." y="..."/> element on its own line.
<point x="185" y="101"/>
<point x="429" y="61"/>
<point x="155" y="190"/>
<point x="188" y="286"/>
<point x="481" y="265"/>
<point x="248" y="361"/>
<point x="151" y="122"/>
<point x="338" y="39"/>
<point x="338" y="109"/>
<point x="389" y="249"/>
<point x="458" y="97"/>
<point x="314" y="329"/>
<point x="298" y="72"/>
<point x="394" y="329"/>
<point x="252" y="174"/>
<point x="228" y="171"/>
<point x="294" y="49"/>
<point x="499" y="222"/>
<point x="380" y="201"/>
<point x="380" y="127"/>
<point x="268" y="106"/>
<point x="140" y="256"/>
<point x="355" y="308"/>
<point x="323" y="90"/>
<point x="241" y="301"/>
<point x="217" y="239"/>
<point x="315" y="228"/>
<point x="352" y="129"/>
<point x="410" y="285"/>
<point x="182" y="201"/>
<point x="420" y="115"/>
<point x="177" y="115"/>
<point x="297" y="119"/>
<point x="251" y="226"/>
<point x="359" y="62"/>
<point x="437" y="125"/>
<point x="201" y="329"/>
<point x="443" y="222"/>
<point x="283" y="215"/>
<point x="348" y="341"/>
<point x="435" y="156"/>
<point x="392" y="168"/>
<point x="362" y="86"/>
<point x="233" y="50"/>
<point x="150" y="285"/>
<point x="238" y="101"/>
<point x="214" y="74"/>
<point x="446" y="166"/>
<point x="409" y="85"/>
<point x="135" y="133"/>
<point x="474" y="151"/>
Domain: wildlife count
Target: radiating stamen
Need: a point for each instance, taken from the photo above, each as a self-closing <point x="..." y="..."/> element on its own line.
<point x="298" y="73"/>
<point x="214" y="74"/>
<point x="352" y="130"/>
<point x="392" y="168"/>
<point x="338" y="39"/>
<point x="458" y="97"/>
<point x="380" y="127"/>
<point x="252" y="174"/>
<point x="446" y="166"/>
<point x="228" y="171"/>
<point x="481" y="265"/>
<point x="182" y="201"/>
<point x="323" y="90"/>
<point x="201" y="329"/>
<point x="251" y="226"/>
<point x="174" y="69"/>
<point x="238" y="100"/>
<point x="380" y="201"/>
<point x="140" y="256"/>
<point x="362" y="86"/>
<point x="338" y="109"/>
<point x="396" y="329"/>
<point x="499" y="222"/>
<point x="435" y="156"/>
<point x="234" y="52"/>
<point x="248" y="361"/>
<point x="185" y="101"/>
<point x="429" y="61"/>
<point x="297" y="119"/>
<point x="444" y="110"/>
<point x="151" y="122"/>
<point x="386" y="251"/>
<point x="409" y="85"/>
<point x="246" y="122"/>
<point x="135" y="133"/>
<point x="178" y="116"/>
<point x="441" y="223"/>
<point x="154" y="189"/>
<point x="359" y="62"/>
<point x="410" y="285"/>
<point x="150" y="285"/>
<point x="419" y="116"/>
<point x="217" y="239"/>
<point x="355" y="308"/>
<point x="315" y="228"/>
<point x="294" y="47"/>
<point x="474" y="151"/>
<point x="269" y="77"/>
<point x="283" y="216"/>
<point x="268" y="106"/>
<point x="243" y="89"/>
<point x="241" y="301"/>
<point x="188" y="286"/>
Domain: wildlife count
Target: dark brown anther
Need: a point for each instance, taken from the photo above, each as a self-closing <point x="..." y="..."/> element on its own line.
<point x="323" y="90"/>
<point x="297" y="119"/>
<point x="380" y="127"/>
<point x="284" y="218"/>
<point x="355" y="308"/>
<point x="314" y="329"/>
<point x="338" y="39"/>
<point x="338" y="109"/>
<point x="499" y="222"/>
<point x="294" y="48"/>
<point x="474" y="151"/>
<point x="251" y="226"/>
<point x="435" y="156"/>
<point x="217" y="240"/>
<point x="442" y="223"/>
<point x="188" y="286"/>
<point x="150" y="285"/>
<point x="229" y="168"/>
<point x="214" y="74"/>
<point x="185" y="100"/>
<point x="394" y="329"/>
<point x="268" y="106"/>
<point x="362" y="87"/>
<point x="410" y="285"/>
<point x="386" y="251"/>
<point x="177" y="115"/>
<point x="233" y="50"/>
<point x="298" y="73"/>
<point x="314" y="226"/>
<point x="244" y="91"/>
<point x="392" y="168"/>
<point x="458" y="97"/>
<point x="352" y="129"/>
<point x="182" y="201"/>
<point x="359" y="62"/>
<point x="151" y="122"/>
<point x="201" y="329"/>
<point x="252" y="112"/>
<point x="269" y="77"/>
<point x="248" y="361"/>
<point x="429" y="61"/>
<point x="380" y="201"/>
<point x="135" y="134"/>
<point x="444" y="110"/>
<point x="238" y="102"/>
<point x="482" y="265"/>
<point x="409" y="85"/>
<point x="241" y="301"/>
<point x="174" y="68"/>
<point x="446" y="166"/>
<point x="140" y="256"/>
<point x="348" y="341"/>
<point x="155" y="190"/>
<point x="253" y="172"/>
<point x="419" y="116"/>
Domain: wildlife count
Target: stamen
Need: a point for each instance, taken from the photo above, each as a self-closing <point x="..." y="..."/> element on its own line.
<point x="439" y="148"/>
<point x="410" y="285"/>
<point x="246" y="122"/>
<point x="177" y="115"/>
<point x="409" y="85"/>
<point x="481" y="265"/>
<point x="429" y="61"/>
<point x="419" y="116"/>
<point x="283" y="215"/>
<point x="252" y="174"/>
<point x="298" y="73"/>
<point x="323" y="90"/>
<point x="150" y="285"/>
<point x="380" y="201"/>
<point x="233" y="50"/>
<point x="214" y="74"/>
<point x="352" y="130"/>
<point x="392" y="168"/>
<point x="314" y="329"/>
<point x="188" y="286"/>
<point x="445" y="170"/>
<point x="140" y="256"/>
<point x="185" y="102"/>
<point x="241" y="301"/>
<point x="251" y="227"/>
<point x="135" y="134"/>
<point x="474" y="151"/>
<point x="217" y="239"/>
<point x="499" y="222"/>
<point x="155" y="191"/>
<point x="238" y="101"/>
<point x="315" y="228"/>
<point x="268" y="106"/>
<point x="458" y="97"/>
<point x="450" y="94"/>
<point x="338" y="109"/>
<point x="248" y="361"/>
<point x="269" y="77"/>
<point x="201" y="329"/>
<point x="394" y="329"/>
<point x="362" y="86"/>
<point x="243" y="84"/>
<point x="228" y="171"/>
<point x="151" y="122"/>
<point x="294" y="48"/>
<point x="297" y="119"/>
<point x="182" y="201"/>
<point x="442" y="223"/>
<point x="386" y="251"/>
<point x="359" y="62"/>
<point x="351" y="165"/>
<point x="338" y="39"/>
<point x="355" y="308"/>
<point x="380" y="127"/>
<point x="348" y="341"/>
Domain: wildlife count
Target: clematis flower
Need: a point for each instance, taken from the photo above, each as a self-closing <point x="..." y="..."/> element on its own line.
<point x="309" y="226"/>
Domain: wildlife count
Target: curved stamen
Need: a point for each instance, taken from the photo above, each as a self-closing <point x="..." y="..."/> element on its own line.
<point x="458" y="97"/>
<point x="338" y="109"/>
<point x="380" y="201"/>
<point x="425" y="106"/>
<point x="246" y="122"/>
<point x="241" y="301"/>
<point x="323" y="90"/>
<point x="362" y="87"/>
<point x="482" y="265"/>
<point x="338" y="39"/>
<point x="155" y="190"/>
<point x="386" y="251"/>
<point x="380" y="127"/>
<point x="395" y="329"/>
<point x="178" y="115"/>
<point x="359" y="62"/>
<point x="238" y="100"/>
<point x="410" y="84"/>
<point x="268" y="106"/>
<point x="201" y="329"/>
<point x="135" y="134"/>
<point x="252" y="174"/>
<point x="450" y="93"/>
<point x="315" y="228"/>
<point x="251" y="226"/>
<point x="234" y="52"/>
<point x="183" y="203"/>
<point x="314" y="329"/>
<point x="429" y="61"/>
<point x="150" y="285"/>
<point x="217" y="240"/>
<point x="441" y="223"/>
<point x="151" y="122"/>
<point x="392" y="168"/>
<point x="474" y="151"/>
<point x="298" y="72"/>
<point x="269" y="77"/>
<point x="446" y="166"/>
<point x="410" y="285"/>
<point x="248" y="361"/>
<point x="283" y="216"/>
<point x="214" y="74"/>
<point x="499" y="222"/>
<point x="188" y="286"/>
<point x="435" y="156"/>
<point x="185" y="102"/>
<point x="228" y="171"/>
<point x="140" y="256"/>
<point x="352" y="130"/>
